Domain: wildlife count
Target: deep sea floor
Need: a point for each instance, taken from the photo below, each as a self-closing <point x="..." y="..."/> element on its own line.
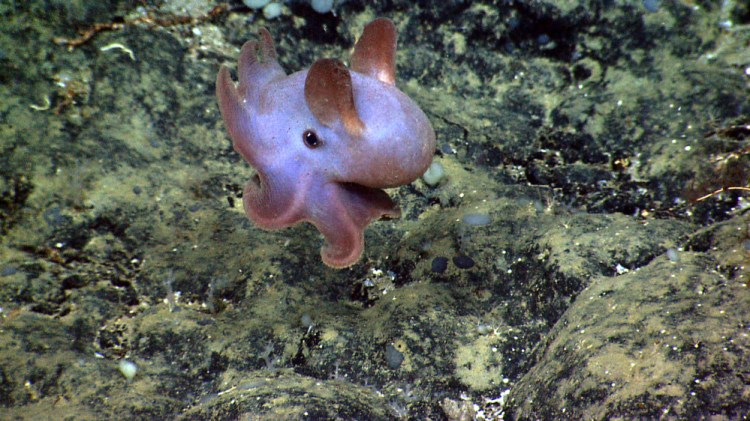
<point x="585" y="255"/>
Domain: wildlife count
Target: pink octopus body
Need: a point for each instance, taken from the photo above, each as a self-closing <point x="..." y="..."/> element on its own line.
<point x="326" y="140"/>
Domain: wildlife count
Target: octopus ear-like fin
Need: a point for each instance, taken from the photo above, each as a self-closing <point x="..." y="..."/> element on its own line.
<point x="267" y="49"/>
<point x="375" y="52"/>
<point x="329" y="95"/>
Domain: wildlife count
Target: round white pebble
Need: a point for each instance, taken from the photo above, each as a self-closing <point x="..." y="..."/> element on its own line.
<point x="272" y="10"/>
<point x="476" y="219"/>
<point x="434" y="174"/>
<point x="256" y="4"/>
<point x="322" y="6"/>
<point x="128" y="369"/>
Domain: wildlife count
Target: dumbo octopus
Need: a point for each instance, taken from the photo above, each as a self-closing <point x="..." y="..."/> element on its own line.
<point x="326" y="140"/>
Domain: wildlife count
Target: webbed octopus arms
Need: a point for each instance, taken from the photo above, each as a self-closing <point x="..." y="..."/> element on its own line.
<point x="326" y="140"/>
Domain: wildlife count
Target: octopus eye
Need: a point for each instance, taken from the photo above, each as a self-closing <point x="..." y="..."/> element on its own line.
<point x="311" y="139"/>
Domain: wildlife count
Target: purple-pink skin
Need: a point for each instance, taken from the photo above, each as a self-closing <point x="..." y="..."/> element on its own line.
<point x="326" y="140"/>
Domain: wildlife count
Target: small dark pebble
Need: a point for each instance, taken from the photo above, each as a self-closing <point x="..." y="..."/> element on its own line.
<point x="73" y="281"/>
<point x="8" y="270"/>
<point x="393" y="357"/>
<point x="195" y="207"/>
<point x="446" y="149"/>
<point x="463" y="262"/>
<point x="439" y="264"/>
<point x="652" y="5"/>
<point x="137" y="189"/>
<point x="53" y="217"/>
